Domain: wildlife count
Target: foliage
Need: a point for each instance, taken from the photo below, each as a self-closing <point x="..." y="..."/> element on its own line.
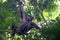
<point x="9" y="13"/>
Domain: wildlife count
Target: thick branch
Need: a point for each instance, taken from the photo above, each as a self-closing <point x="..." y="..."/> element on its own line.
<point x="36" y="5"/>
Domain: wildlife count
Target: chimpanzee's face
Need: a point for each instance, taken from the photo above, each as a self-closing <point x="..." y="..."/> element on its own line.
<point x="29" y="18"/>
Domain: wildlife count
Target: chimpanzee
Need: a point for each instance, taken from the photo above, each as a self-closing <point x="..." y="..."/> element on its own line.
<point x="25" y="26"/>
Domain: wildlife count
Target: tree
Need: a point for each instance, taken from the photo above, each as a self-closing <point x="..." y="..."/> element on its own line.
<point x="43" y="11"/>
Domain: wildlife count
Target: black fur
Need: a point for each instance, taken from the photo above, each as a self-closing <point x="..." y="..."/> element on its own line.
<point x="25" y="26"/>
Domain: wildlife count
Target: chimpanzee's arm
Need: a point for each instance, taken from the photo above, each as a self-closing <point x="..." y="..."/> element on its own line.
<point x="35" y="26"/>
<point x="22" y="13"/>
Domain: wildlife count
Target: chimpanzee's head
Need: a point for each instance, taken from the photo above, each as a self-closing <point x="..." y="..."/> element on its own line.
<point x="29" y="18"/>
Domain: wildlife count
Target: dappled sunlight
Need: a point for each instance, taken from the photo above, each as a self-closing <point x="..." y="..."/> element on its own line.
<point x="58" y="7"/>
<point x="4" y="1"/>
<point x="30" y="19"/>
<point x="54" y="14"/>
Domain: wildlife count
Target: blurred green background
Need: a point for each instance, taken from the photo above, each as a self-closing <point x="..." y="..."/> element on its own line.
<point x="46" y="15"/>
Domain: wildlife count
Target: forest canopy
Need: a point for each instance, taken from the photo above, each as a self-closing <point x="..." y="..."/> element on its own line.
<point x="46" y="15"/>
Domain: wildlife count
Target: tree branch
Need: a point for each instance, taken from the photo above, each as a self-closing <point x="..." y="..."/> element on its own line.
<point x="41" y="13"/>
